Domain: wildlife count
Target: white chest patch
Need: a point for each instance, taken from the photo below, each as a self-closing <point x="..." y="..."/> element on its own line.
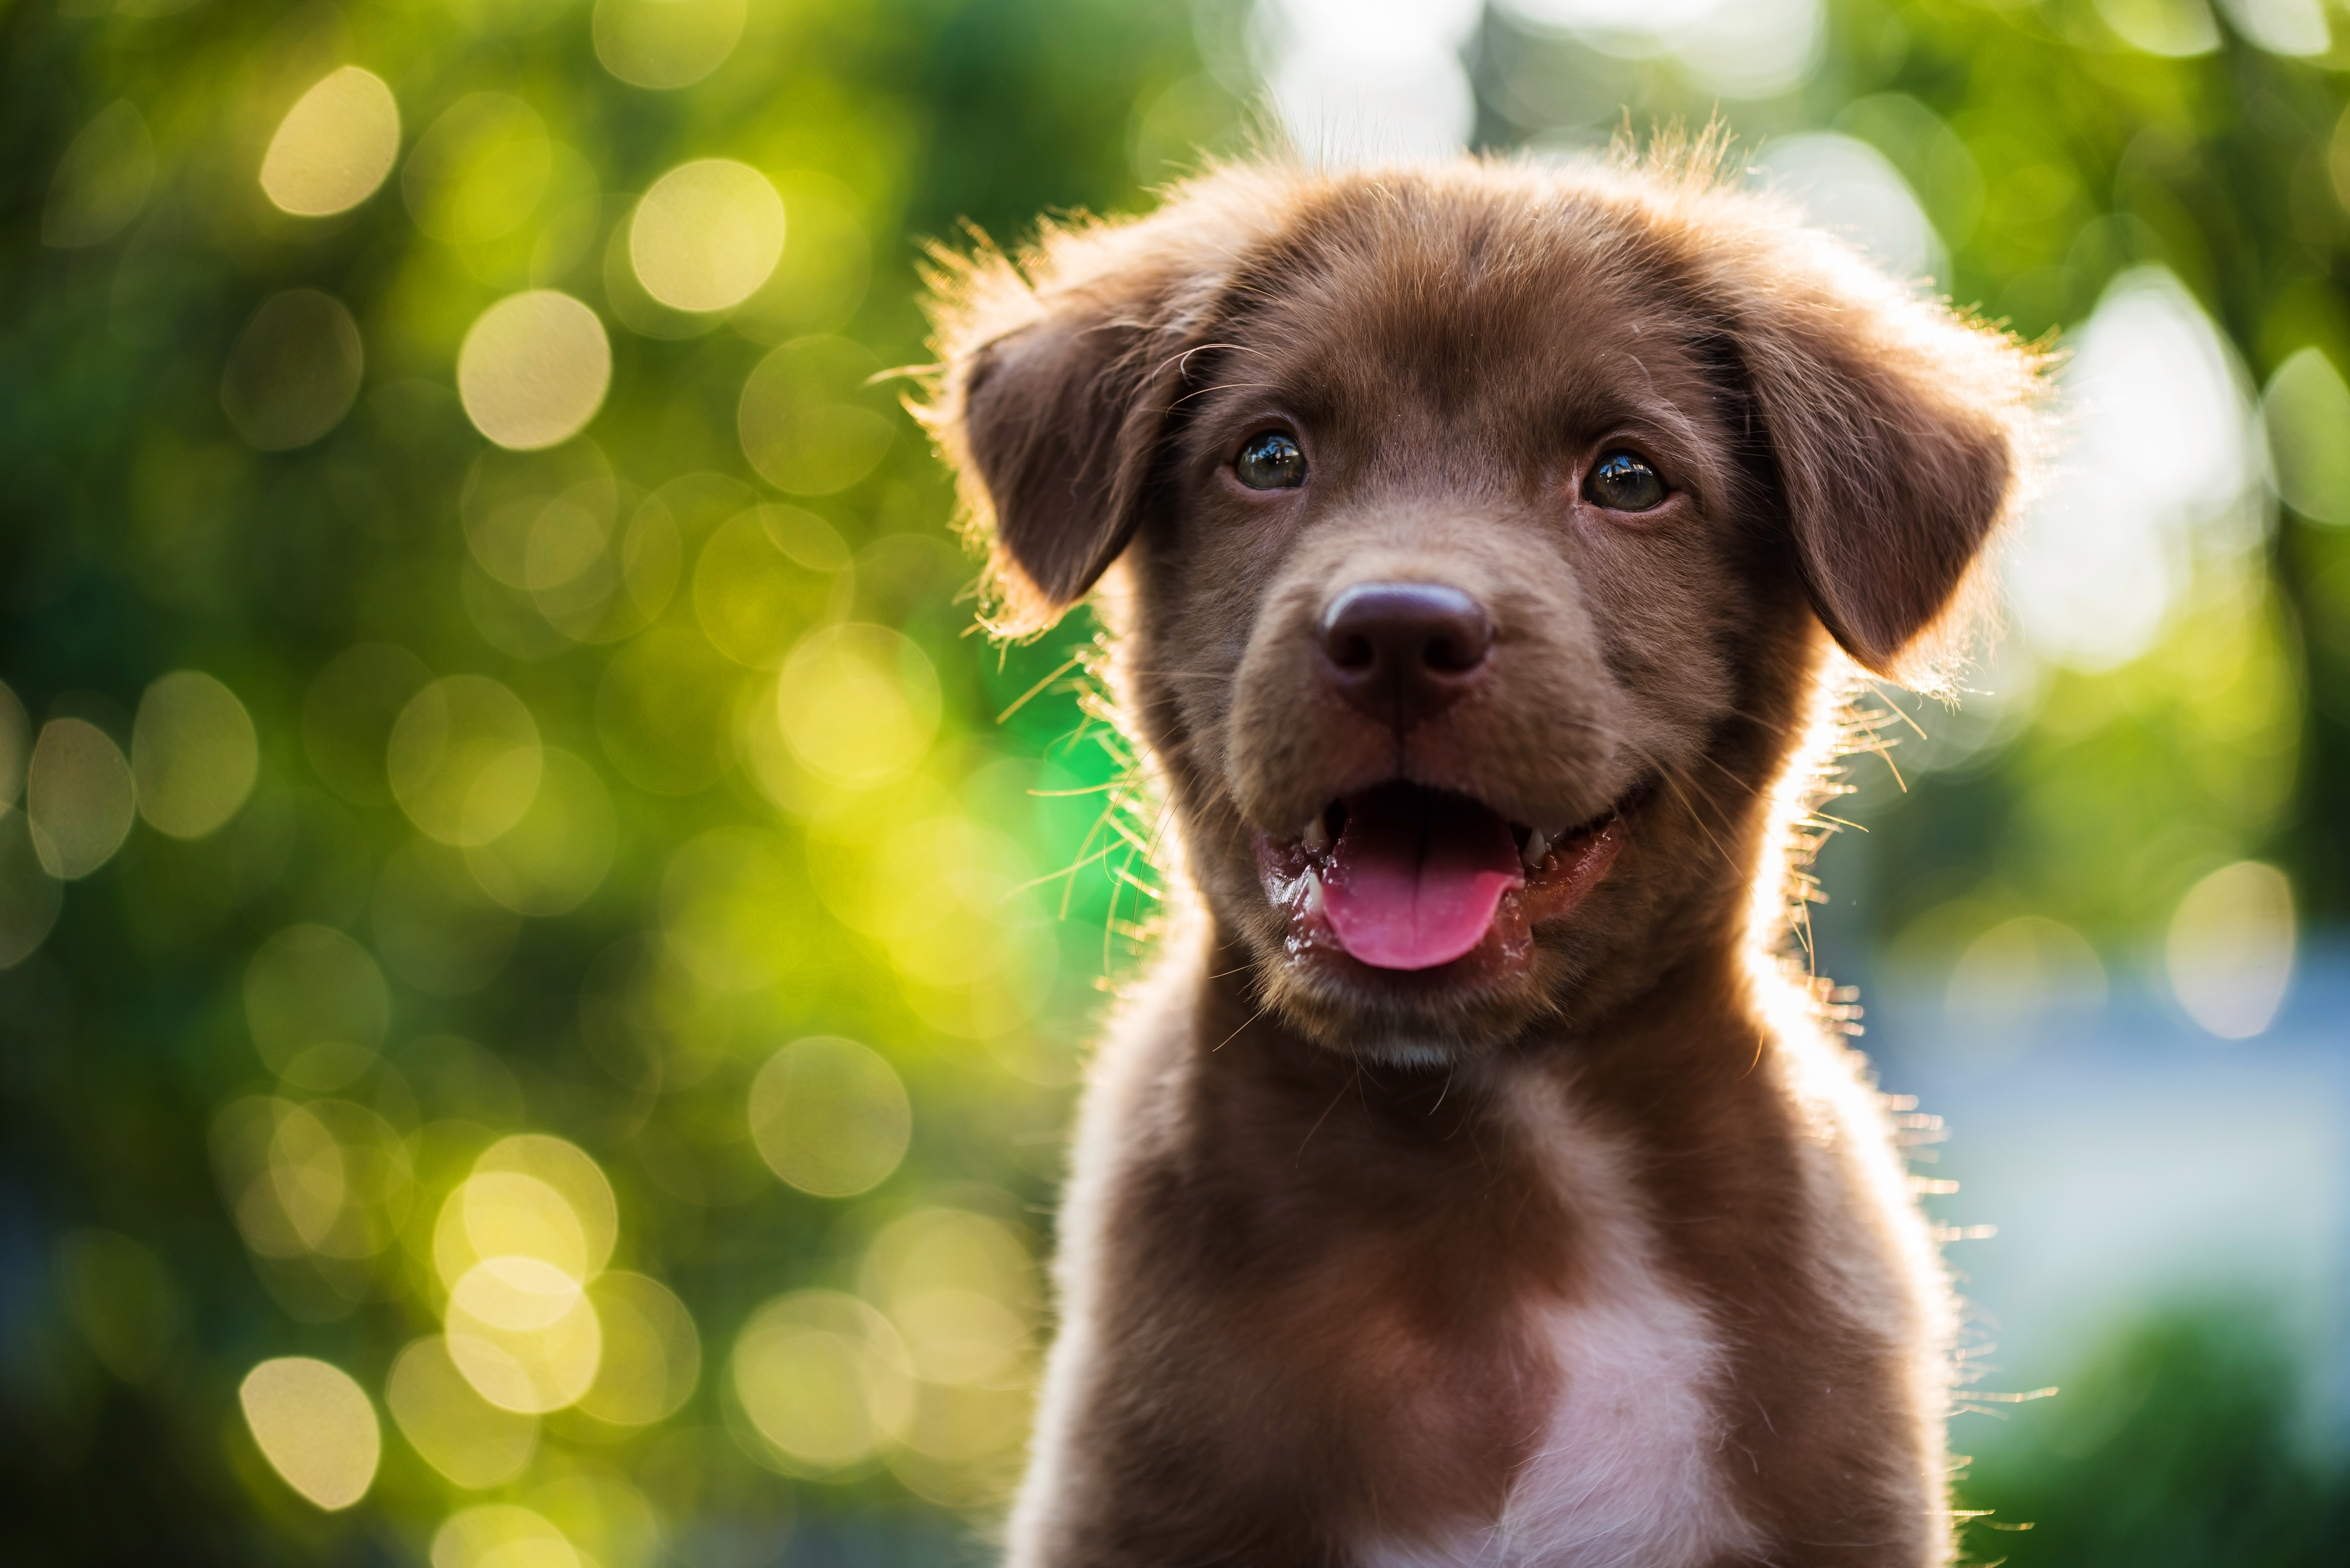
<point x="1630" y="1470"/>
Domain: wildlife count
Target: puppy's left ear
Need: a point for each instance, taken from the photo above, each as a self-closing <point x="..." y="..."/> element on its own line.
<point x="1902" y="436"/>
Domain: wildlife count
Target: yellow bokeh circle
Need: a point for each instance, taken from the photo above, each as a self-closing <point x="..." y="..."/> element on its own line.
<point x="831" y="1117"/>
<point x="706" y="235"/>
<point x="533" y="368"/>
<point x="314" y="1424"/>
<point x="858" y="704"/>
<point x="334" y="145"/>
<point x="193" y="754"/>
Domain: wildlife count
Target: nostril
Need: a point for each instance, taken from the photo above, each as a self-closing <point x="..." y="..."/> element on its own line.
<point x="1351" y="652"/>
<point x="1450" y="655"/>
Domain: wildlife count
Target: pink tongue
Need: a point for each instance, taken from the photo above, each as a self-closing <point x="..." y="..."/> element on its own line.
<point x="1415" y="877"/>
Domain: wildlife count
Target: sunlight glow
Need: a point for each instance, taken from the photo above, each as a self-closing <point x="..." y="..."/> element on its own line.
<point x="79" y="797"/>
<point x="315" y="1426"/>
<point x="193" y="754"/>
<point x="335" y="146"/>
<point x="706" y="235"/>
<point x="829" y="1117"/>
<point x="2231" y="949"/>
<point x="533" y="368"/>
<point x="666" y="44"/>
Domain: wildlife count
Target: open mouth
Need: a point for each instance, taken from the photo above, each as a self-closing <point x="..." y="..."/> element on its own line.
<point x="1402" y="876"/>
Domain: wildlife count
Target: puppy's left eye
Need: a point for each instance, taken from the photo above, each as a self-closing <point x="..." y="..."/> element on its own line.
<point x="1622" y="482"/>
<point x="1273" y="460"/>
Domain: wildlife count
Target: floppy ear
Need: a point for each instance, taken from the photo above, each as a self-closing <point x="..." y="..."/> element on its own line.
<point x="1901" y="434"/>
<point x="1056" y="382"/>
<point x="1060" y="422"/>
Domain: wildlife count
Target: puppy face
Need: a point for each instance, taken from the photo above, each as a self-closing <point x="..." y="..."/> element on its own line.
<point x="1481" y="527"/>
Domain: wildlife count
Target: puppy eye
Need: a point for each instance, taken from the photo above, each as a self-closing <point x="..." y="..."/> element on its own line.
<point x="1623" y="483"/>
<point x="1273" y="460"/>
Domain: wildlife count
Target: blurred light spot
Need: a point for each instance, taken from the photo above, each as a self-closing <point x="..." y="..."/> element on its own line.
<point x="501" y="1535"/>
<point x="1848" y="188"/>
<point x="858" y="704"/>
<point x="531" y="1196"/>
<point x="449" y="759"/>
<point x="102" y="180"/>
<point x="665" y="712"/>
<point x="79" y="797"/>
<point x="1355" y="82"/>
<point x="608" y="1521"/>
<point x="652" y="1354"/>
<point x="1742" y="48"/>
<point x="523" y="1333"/>
<point x="307" y="1174"/>
<point x="823" y="1378"/>
<point x="434" y="926"/>
<point x="533" y="368"/>
<point x="826" y="264"/>
<point x="193" y="754"/>
<point x="767" y="576"/>
<point x="2176" y="29"/>
<point x="479" y="170"/>
<point x="964" y="1424"/>
<point x="2230" y="949"/>
<point x="728" y="902"/>
<point x="557" y="855"/>
<point x="122" y="1300"/>
<point x="328" y="1178"/>
<point x="706" y="235"/>
<point x="803" y="419"/>
<point x="960" y="1288"/>
<point x="30" y="896"/>
<point x="16" y="745"/>
<point x="2020" y="969"/>
<point x="949" y="898"/>
<point x="310" y="986"/>
<point x="509" y="1214"/>
<point x="334" y="145"/>
<point x="348" y="714"/>
<point x="294" y="372"/>
<point x="464" y="1436"/>
<point x="2156" y="469"/>
<point x="831" y="1117"/>
<point x="664" y="44"/>
<point x="314" y="1426"/>
<point x="2307" y="411"/>
<point x="2290" y="27"/>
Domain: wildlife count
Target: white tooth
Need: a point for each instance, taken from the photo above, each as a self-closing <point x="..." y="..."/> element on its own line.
<point x="1537" y="848"/>
<point x="1310" y="892"/>
<point x="1316" y="836"/>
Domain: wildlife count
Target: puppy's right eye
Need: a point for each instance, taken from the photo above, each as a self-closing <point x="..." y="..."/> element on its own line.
<point x="1623" y="482"/>
<point x="1273" y="460"/>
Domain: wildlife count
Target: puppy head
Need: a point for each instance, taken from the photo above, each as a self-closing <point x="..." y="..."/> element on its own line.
<point x="1481" y="523"/>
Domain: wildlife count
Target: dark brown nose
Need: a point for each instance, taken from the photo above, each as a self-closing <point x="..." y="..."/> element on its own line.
<point x="1402" y="652"/>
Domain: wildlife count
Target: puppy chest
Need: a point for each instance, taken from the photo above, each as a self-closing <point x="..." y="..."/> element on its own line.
<point x="1626" y="1468"/>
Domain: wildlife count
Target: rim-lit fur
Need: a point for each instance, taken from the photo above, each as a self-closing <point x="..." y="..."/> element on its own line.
<point x="1604" y="1257"/>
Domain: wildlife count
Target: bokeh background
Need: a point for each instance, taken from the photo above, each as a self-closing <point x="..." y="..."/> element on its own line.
<point x="543" y="967"/>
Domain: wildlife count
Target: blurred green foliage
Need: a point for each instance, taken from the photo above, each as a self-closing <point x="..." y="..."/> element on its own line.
<point x="2180" y="1444"/>
<point x="596" y="792"/>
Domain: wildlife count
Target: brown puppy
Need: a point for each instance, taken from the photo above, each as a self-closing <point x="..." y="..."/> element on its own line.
<point x="1469" y="1186"/>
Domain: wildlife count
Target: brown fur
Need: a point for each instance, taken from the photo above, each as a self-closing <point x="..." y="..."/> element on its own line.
<point x="1335" y="1235"/>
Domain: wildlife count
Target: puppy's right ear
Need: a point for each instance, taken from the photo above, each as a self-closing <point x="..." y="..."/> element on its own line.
<point x="1050" y="405"/>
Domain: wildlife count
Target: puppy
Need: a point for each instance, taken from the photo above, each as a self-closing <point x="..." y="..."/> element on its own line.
<point x="1472" y="1183"/>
